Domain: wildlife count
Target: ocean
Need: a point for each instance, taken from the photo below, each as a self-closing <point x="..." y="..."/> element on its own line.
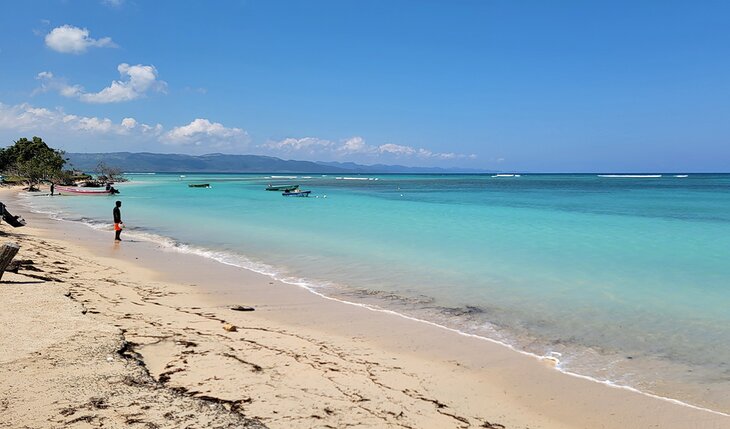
<point x="624" y="279"/>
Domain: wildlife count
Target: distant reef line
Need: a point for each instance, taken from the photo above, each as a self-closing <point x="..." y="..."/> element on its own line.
<point x="145" y="162"/>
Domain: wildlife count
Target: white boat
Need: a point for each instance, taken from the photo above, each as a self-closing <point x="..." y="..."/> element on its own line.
<point x="77" y="190"/>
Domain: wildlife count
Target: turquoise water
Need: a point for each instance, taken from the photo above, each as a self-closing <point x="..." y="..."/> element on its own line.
<point x="624" y="279"/>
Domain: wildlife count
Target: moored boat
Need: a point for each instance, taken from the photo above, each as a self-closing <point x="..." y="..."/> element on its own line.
<point x="285" y="188"/>
<point x="296" y="193"/>
<point x="198" y="185"/>
<point x="76" y="190"/>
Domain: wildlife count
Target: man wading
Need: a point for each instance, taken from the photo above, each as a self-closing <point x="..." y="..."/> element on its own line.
<point x="117" y="221"/>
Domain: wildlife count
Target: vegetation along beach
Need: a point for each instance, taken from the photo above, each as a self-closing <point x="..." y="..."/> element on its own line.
<point x="470" y="229"/>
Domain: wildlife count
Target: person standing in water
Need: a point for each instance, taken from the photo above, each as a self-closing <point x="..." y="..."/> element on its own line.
<point x="117" y="221"/>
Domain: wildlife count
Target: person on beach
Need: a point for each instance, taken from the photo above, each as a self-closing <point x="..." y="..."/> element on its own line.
<point x="117" y="221"/>
<point x="53" y="188"/>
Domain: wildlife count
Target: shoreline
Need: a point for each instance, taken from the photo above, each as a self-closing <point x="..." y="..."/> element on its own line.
<point x="174" y="246"/>
<point x="486" y="369"/>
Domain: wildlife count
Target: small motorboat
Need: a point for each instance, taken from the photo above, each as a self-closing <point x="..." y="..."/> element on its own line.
<point x="296" y="193"/>
<point x="285" y="188"/>
<point x="198" y="185"/>
<point x="77" y="190"/>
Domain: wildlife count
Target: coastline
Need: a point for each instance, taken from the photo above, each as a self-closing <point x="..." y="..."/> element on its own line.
<point x="307" y="356"/>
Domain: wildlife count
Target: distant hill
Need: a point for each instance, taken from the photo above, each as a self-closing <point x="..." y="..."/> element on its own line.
<point x="146" y="162"/>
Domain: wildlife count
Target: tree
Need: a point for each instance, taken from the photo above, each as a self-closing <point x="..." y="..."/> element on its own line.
<point x="33" y="160"/>
<point x="107" y="173"/>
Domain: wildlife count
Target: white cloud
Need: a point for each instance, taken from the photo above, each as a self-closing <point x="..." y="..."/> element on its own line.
<point x="136" y="82"/>
<point x="307" y="144"/>
<point x="202" y="132"/>
<point x="200" y="135"/>
<point x="321" y="149"/>
<point x="74" y="40"/>
<point x="51" y="83"/>
<point x="113" y="3"/>
<point x="24" y="117"/>
<point x="355" y="145"/>
<point x="396" y="149"/>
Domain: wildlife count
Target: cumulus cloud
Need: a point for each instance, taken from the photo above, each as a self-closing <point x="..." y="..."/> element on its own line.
<point x="136" y="81"/>
<point x="396" y="149"/>
<point x="74" y="40"/>
<point x="356" y="145"/>
<point x="49" y="82"/>
<point x="306" y="144"/>
<point x="200" y="135"/>
<point x="25" y="117"/>
<point x="202" y="132"/>
<point x="129" y="123"/>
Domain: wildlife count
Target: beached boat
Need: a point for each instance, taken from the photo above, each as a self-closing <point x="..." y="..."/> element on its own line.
<point x="296" y="193"/>
<point x="198" y="185"/>
<point x="76" y="190"/>
<point x="285" y="188"/>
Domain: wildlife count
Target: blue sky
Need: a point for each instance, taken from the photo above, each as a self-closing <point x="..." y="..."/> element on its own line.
<point x="528" y="86"/>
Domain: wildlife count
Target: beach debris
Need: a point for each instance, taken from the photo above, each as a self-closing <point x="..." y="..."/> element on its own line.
<point x="14" y="221"/>
<point x="7" y="253"/>
<point x="230" y="328"/>
<point x="25" y="264"/>
<point x="242" y="308"/>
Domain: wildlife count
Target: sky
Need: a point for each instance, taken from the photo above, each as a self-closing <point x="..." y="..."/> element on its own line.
<point x="531" y="86"/>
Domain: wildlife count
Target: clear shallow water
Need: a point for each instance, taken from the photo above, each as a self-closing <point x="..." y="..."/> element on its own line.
<point x="627" y="278"/>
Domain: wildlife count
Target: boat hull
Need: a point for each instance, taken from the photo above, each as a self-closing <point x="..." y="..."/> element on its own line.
<point x="284" y="188"/>
<point x="296" y="194"/>
<point x="70" y="190"/>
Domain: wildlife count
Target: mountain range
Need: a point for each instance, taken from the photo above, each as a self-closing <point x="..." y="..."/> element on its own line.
<point x="145" y="162"/>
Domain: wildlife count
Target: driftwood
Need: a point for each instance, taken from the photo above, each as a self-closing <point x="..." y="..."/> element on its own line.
<point x="7" y="253"/>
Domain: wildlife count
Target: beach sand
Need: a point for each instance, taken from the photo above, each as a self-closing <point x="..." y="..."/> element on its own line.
<point x="101" y="334"/>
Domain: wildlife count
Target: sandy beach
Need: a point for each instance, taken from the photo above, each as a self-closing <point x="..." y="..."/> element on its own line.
<point x="98" y="334"/>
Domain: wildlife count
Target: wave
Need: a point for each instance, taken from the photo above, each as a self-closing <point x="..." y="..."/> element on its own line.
<point x="507" y="175"/>
<point x="282" y="177"/>
<point x="631" y="176"/>
<point x="681" y="175"/>
<point x="356" y="178"/>
<point x="139" y="174"/>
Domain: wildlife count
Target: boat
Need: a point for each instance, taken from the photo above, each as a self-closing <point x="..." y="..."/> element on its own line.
<point x="76" y="190"/>
<point x="296" y="193"/>
<point x="198" y="185"/>
<point x="285" y="188"/>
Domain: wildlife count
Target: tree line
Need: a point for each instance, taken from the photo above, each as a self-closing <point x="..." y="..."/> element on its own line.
<point x="33" y="161"/>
